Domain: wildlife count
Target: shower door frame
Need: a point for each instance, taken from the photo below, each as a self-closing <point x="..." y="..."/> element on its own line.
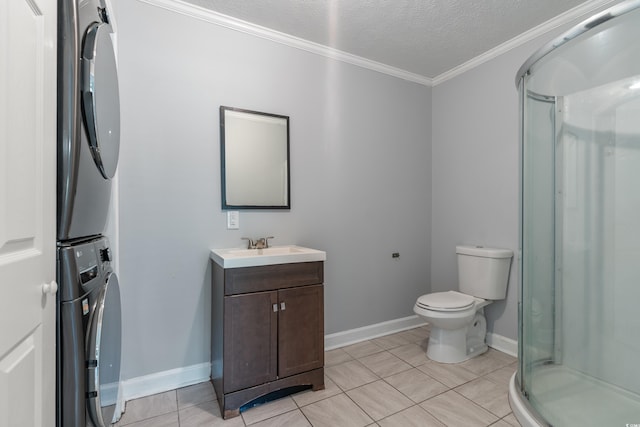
<point x="555" y="354"/>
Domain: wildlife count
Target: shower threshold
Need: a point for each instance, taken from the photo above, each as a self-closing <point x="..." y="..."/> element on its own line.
<point x="565" y="397"/>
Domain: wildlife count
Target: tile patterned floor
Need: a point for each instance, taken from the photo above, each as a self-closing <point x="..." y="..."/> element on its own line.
<point x="387" y="382"/>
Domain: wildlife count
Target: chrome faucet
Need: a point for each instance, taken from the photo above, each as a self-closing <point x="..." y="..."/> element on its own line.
<point x="261" y="243"/>
<point x="250" y="244"/>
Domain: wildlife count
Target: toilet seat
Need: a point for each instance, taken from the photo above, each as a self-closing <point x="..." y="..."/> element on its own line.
<point x="446" y="301"/>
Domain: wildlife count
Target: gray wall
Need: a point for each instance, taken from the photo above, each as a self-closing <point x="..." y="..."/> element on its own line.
<point x="360" y="174"/>
<point x="365" y="182"/>
<point x="475" y="174"/>
<point x="475" y="181"/>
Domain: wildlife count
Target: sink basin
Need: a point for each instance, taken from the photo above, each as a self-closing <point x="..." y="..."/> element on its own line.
<point x="236" y="257"/>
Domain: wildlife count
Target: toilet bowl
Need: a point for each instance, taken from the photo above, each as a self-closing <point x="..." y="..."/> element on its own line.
<point x="458" y="325"/>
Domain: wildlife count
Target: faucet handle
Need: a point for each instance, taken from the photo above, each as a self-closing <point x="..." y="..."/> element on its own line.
<point x="250" y="244"/>
<point x="266" y="241"/>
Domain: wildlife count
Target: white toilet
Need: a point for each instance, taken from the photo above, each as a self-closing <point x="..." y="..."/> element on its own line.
<point x="458" y="325"/>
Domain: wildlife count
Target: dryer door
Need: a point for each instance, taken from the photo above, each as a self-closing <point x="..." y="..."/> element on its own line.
<point x="100" y="98"/>
<point x="103" y="354"/>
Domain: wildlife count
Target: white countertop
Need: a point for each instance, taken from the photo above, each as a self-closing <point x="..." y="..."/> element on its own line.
<point x="239" y="257"/>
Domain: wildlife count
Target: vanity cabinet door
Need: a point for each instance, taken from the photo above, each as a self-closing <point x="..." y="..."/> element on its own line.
<point x="250" y="336"/>
<point x="300" y="330"/>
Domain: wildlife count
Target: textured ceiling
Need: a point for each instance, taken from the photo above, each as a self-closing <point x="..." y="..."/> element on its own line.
<point x="424" y="37"/>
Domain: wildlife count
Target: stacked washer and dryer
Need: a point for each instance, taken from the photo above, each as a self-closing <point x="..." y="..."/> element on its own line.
<point x="88" y="309"/>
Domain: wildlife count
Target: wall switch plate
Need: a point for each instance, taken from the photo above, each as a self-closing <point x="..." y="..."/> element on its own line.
<point x="233" y="220"/>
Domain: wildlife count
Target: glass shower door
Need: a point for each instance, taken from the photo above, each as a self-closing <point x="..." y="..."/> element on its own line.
<point x="581" y="256"/>
<point x="538" y="236"/>
<point x="579" y="342"/>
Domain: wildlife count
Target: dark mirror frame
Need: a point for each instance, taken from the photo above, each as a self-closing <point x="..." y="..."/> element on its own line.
<point x="252" y="163"/>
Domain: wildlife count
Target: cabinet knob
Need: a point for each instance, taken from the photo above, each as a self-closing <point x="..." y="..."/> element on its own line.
<point x="282" y="306"/>
<point x="275" y="308"/>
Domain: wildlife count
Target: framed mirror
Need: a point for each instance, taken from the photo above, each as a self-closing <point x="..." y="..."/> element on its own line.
<point x="254" y="155"/>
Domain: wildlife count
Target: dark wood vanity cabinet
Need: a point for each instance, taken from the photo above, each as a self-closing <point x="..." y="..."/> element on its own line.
<point x="267" y="331"/>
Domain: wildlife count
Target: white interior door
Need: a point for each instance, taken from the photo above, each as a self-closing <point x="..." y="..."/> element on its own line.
<point x="27" y="212"/>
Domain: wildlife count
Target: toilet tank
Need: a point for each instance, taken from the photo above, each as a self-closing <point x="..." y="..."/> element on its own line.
<point x="483" y="272"/>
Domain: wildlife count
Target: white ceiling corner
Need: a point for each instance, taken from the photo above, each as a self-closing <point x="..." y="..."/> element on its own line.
<point x="427" y="41"/>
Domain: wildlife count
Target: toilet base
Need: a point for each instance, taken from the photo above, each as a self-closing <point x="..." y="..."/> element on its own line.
<point x="455" y="346"/>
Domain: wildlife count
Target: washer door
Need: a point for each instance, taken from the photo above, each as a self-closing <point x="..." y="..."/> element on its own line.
<point x="100" y="99"/>
<point x="103" y="354"/>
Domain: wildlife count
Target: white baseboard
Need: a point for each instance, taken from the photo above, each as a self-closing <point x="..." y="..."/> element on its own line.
<point x="109" y="394"/>
<point x="159" y="382"/>
<point x="503" y="344"/>
<point x="172" y="379"/>
<point x="352" y="336"/>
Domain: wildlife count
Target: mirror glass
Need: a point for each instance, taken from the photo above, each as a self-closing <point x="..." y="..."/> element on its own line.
<point x="254" y="151"/>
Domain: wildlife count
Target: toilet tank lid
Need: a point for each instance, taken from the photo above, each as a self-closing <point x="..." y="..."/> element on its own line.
<point x="481" y="251"/>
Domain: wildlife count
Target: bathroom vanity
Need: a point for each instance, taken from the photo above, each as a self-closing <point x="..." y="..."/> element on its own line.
<point x="267" y="323"/>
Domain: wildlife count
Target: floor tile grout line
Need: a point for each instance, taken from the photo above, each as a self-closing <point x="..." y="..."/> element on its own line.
<point x="153" y="416"/>
<point x="305" y="416"/>
<point x="482" y="406"/>
<point x="177" y="408"/>
<point x="503" y="362"/>
<point x="431" y="413"/>
<point x="335" y="395"/>
<point x="428" y="398"/>
<point x="275" y="416"/>
<point x="362" y="364"/>
<point x="316" y="401"/>
<point x="361" y="408"/>
<point x="448" y="388"/>
<point x="413" y="403"/>
<point x="477" y="404"/>
<point x="451" y="389"/>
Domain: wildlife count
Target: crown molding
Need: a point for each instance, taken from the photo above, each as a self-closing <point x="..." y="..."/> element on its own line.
<point x="231" y="23"/>
<point x="562" y="19"/>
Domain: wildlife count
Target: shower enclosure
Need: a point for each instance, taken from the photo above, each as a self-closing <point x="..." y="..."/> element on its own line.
<point x="579" y="302"/>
